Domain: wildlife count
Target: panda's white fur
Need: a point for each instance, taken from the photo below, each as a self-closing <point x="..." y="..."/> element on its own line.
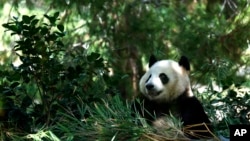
<point x="178" y="81"/>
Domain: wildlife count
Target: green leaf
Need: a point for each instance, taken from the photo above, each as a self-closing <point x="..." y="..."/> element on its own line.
<point x="8" y="92"/>
<point x="27" y="101"/>
<point x="10" y="27"/>
<point x="47" y="16"/>
<point x="60" y="43"/>
<point x="26" y="33"/>
<point x="93" y="56"/>
<point x="99" y="63"/>
<point x="52" y="20"/>
<point x="34" y="22"/>
<point x="44" y="31"/>
<point x="56" y="15"/>
<point x="25" y="27"/>
<point x="59" y="34"/>
<point x="232" y="93"/>
<point x="60" y="27"/>
<point x="14" y="77"/>
<point x="6" y="25"/>
<point x="32" y="17"/>
<point x="14" y="84"/>
<point x="34" y="30"/>
<point x="13" y="34"/>
<point x="26" y="19"/>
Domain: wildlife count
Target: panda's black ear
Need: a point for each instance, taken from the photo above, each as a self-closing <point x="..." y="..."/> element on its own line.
<point x="152" y="60"/>
<point x="184" y="63"/>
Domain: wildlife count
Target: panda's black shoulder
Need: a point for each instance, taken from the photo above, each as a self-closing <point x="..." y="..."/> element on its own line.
<point x="193" y="113"/>
<point x="191" y="110"/>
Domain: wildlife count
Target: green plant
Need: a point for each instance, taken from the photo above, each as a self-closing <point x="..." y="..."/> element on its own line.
<point x="229" y="107"/>
<point x="50" y="78"/>
<point x="110" y="119"/>
<point x="114" y="119"/>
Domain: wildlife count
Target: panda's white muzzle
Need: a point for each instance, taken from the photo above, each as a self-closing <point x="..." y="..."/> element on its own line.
<point x="152" y="91"/>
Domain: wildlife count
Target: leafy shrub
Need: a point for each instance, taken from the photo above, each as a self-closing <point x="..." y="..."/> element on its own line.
<point x="51" y="77"/>
<point x="231" y="106"/>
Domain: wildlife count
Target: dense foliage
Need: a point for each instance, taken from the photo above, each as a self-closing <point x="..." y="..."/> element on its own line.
<point x="45" y="83"/>
<point x="79" y="68"/>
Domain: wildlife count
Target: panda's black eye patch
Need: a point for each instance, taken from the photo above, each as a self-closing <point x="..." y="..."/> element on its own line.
<point x="164" y="78"/>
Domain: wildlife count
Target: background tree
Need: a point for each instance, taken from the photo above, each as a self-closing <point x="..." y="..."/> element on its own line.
<point x="105" y="46"/>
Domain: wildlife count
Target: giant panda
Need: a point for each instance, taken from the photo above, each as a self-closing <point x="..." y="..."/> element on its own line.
<point x="165" y="88"/>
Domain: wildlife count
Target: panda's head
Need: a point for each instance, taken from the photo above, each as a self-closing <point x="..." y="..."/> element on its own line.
<point x="166" y="80"/>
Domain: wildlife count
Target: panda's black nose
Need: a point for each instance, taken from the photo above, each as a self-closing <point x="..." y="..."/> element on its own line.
<point x="149" y="86"/>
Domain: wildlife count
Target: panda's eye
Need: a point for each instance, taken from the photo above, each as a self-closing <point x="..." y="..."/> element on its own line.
<point x="148" y="78"/>
<point x="164" y="78"/>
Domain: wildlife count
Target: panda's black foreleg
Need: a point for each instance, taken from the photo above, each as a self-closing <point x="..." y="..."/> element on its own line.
<point x="195" y="120"/>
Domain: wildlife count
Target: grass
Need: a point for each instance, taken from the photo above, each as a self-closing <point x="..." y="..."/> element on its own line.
<point x="109" y="120"/>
